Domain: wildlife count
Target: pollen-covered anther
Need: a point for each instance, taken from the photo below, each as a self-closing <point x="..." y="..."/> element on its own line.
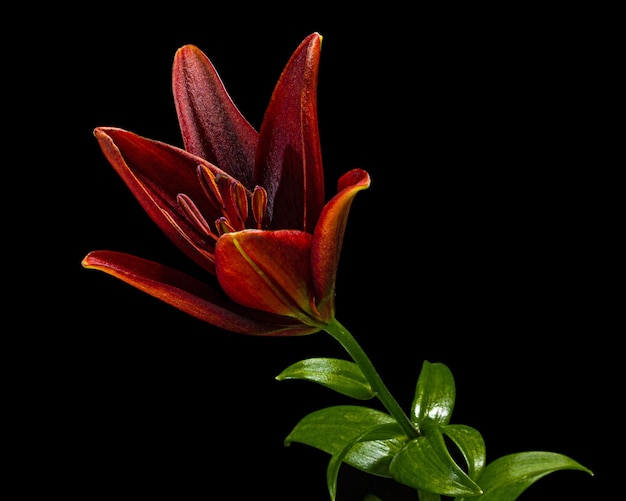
<point x="194" y="215"/>
<point x="259" y="205"/>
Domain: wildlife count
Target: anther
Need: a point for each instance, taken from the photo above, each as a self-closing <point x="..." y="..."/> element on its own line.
<point x="259" y="205"/>
<point x="209" y="186"/>
<point x="193" y="213"/>
<point x="223" y="226"/>
<point x="235" y="199"/>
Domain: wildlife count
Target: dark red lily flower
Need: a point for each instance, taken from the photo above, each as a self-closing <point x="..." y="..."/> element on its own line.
<point x="246" y="206"/>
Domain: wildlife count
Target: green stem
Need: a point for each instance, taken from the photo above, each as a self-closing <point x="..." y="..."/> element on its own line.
<point x="343" y="336"/>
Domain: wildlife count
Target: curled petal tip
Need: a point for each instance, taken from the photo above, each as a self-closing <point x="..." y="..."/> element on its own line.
<point x="87" y="261"/>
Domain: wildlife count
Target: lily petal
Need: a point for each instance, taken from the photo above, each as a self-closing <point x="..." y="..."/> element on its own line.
<point x="157" y="173"/>
<point x="269" y="271"/>
<point x="247" y="207"/>
<point x="191" y="295"/>
<point x="212" y="127"/>
<point x="289" y="159"/>
<point x="328" y="238"/>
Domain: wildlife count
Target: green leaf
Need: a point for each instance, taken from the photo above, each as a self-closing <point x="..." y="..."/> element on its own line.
<point x="425" y="464"/>
<point x="471" y="444"/>
<point x="381" y="432"/>
<point x="434" y="395"/>
<point x="508" y="476"/>
<point x="342" y="376"/>
<point x="333" y="428"/>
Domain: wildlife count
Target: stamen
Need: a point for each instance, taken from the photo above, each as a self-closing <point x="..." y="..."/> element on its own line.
<point x="240" y="196"/>
<point x="193" y="214"/>
<point x="201" y="247"/>
<point x="223" y="226"/>
<point x="235" y="201"/>
<point x="259" y="205"/>
<point x="209" y="186"/>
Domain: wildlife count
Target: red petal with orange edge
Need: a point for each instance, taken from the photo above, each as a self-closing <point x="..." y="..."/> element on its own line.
<point x="156" y="173"/>
<point x="211" y="125"/>
<point x="268" y="271"/>
<point x="191" y="296"/>
<point x="289" y="159"/>
<point x="328" y="238"/>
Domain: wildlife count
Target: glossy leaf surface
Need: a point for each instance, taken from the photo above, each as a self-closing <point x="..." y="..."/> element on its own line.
<point x="380" y="432"/>
<point x="509" y="476"/>
<point x="333" y="428"/>
<point x="434" y="395"/>
<point x="425" y="463"/>
<point x="342" y="376"/>
<point x="471" y="445"/>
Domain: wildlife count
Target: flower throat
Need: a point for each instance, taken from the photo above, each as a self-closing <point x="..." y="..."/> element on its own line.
<point x="228" y="197"/>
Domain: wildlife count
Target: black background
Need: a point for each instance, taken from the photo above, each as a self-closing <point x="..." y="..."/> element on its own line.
<point x="484" y="242"/>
